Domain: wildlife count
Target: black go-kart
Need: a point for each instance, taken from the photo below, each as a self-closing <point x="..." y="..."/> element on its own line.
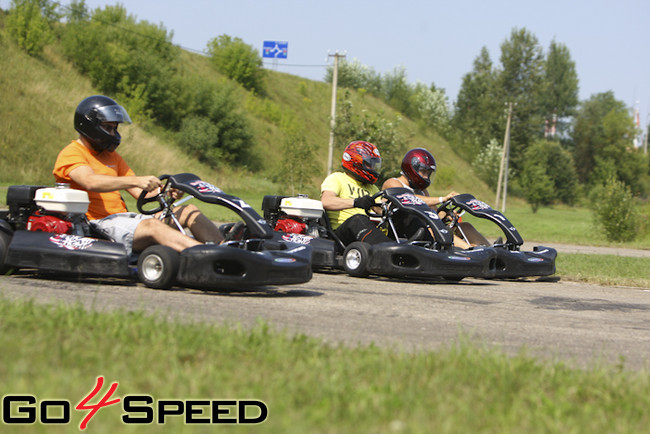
<point x="46" y="229"/>
<point x="512" y="262"/>
<point x="302" y="220"/>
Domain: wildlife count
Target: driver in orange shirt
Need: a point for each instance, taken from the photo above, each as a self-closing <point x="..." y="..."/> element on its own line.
<point x="91" y="163"/>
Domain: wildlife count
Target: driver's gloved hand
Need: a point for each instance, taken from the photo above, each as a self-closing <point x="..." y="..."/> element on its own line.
<point x="365" y="202"/>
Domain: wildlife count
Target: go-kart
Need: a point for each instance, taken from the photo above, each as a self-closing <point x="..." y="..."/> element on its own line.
<point x="46" y="229"/>
<point x="511" y="261"/>
<point x="302" y="220"/>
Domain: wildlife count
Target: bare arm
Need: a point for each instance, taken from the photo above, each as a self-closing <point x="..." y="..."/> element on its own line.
<point x="332" y="202"/>
<point x="86" y="177"/>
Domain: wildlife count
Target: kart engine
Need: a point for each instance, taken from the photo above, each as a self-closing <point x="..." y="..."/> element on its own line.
<point x="38" y="208"/>
<point x="48" y="223"/>
<point x="296" y="215"/>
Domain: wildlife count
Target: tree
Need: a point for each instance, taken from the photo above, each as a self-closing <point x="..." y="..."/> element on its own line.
<point x="431" y="106"/>
<point x="488" y="163"/>
<point x="355" y="75"/>
<point x="129" y="59"/>
<point x="559" y="97"/>
<point x="603" y="135"/>
<point x="396" y="91"/>
<point x="238" y="61"/>
<point x="537" y="185"/>
<point x="548" y="174"/>
<point x="29" y="24"/>
<point x="478" y="111"/>
<point x="521" y="81"/>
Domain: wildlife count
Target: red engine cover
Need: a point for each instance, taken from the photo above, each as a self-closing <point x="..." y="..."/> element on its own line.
<point x="47" y="223"/>
<point x="290" y="226"/>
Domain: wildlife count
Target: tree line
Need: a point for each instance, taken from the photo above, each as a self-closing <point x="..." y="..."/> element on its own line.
<point x="561" y="149"/>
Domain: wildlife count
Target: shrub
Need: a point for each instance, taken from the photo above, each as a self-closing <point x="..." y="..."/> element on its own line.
<point x="488" y="162"/>
<point x="238" y="61"/>
<point x="615" y="210"/>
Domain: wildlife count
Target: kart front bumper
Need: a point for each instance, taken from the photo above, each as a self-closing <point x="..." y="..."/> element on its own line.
<point x="412" y="261"/>
<point x="234" y="266"/>
<point x="512" y="264"/>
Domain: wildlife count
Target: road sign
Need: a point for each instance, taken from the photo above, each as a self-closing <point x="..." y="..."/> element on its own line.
<point x="275" y="49"/>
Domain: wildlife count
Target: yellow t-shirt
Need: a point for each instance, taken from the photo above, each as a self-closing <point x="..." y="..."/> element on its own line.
<point x="104" y="163"/>
<point x="346" y="187"/>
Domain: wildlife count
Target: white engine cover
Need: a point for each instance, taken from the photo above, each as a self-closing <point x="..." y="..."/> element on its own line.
<point x="301" y="207"/>
<point x="62" y="199"/>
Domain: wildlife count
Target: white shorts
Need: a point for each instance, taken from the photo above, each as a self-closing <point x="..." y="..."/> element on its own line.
<point x="120" y="227"/>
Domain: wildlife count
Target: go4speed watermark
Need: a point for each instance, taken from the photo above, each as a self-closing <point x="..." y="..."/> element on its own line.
<point x="24" y="409"/>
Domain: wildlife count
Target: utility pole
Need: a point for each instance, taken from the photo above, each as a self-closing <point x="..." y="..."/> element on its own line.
<point x="336" y="56"/>
<point x="645" y="142"/>
<point x="503" y="169"/>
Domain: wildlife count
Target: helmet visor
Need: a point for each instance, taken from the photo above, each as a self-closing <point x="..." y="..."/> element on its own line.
<point x="372" y="163"/>
<point x="423" y="169"/>
<point x="113" y="113"/>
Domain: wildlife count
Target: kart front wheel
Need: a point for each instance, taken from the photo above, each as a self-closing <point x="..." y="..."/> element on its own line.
<point x="158" y="267"/>
<point x="355" y="259"/>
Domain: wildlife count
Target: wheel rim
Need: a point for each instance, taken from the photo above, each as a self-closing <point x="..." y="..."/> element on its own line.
<point x="353" y="259"/>
<point x="152" y="267"/>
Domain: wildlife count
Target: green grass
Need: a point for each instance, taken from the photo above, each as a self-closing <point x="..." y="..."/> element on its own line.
<point x="558" y="224"/>
<point x="58" y="352"/>
<point x="605" y="269"/>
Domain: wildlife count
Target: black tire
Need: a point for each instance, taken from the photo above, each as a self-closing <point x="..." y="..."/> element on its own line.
<point x="5" y="239"/>
<point x="158" y="267"/>
<point x="355" y="259"/>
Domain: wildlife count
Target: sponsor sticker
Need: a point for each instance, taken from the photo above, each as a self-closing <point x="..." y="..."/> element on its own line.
<point x="297" y="238"/>
<point x="409" y="199"/>
<point x="459" y="258"/>
<point x="72" y="242"/>
<point x="205" y="187"/>
<point x="476" y="204"/>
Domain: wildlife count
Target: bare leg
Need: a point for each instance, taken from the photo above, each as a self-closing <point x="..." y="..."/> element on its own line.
<point x="474" y="236"/>
<point x="153" y="231"/>
<point x="202" y="228"/>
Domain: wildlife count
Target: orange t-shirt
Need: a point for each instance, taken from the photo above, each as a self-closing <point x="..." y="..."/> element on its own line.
<point x="104" y="163"/>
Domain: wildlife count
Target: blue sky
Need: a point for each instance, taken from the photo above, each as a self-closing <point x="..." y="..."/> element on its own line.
<point x="435" y="41"/>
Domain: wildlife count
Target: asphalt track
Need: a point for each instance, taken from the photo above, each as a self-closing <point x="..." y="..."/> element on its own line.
<point x="580" y="324"/>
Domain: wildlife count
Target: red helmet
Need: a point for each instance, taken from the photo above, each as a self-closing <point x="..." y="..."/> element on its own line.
<point x="418" y="166"/>
<point x="361" y="160"/>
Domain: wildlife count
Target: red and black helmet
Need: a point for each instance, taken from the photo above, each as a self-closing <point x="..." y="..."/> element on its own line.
<point x="361" y="160"/>
<point x="418" y="166"/>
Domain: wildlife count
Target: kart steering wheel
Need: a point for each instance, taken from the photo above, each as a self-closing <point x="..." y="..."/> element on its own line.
<point x="160" y="198"/>
<point x="451" y="215"/>
<point x="370" y="212"/>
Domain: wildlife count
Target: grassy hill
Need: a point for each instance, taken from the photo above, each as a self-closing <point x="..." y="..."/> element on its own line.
<point x="39" y="96"/>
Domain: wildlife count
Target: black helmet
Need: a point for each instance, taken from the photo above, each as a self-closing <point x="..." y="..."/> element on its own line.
<point x="418" y="166"/>
<point x="88" y="118"/>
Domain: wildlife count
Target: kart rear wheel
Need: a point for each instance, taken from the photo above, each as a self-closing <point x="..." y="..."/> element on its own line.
<point x="5" y="239"/>
<point x="355" y="259"/>
<point x="158" y="267"/>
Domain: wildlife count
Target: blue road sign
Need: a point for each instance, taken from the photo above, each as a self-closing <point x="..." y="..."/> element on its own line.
<point x="276" y="49"/>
